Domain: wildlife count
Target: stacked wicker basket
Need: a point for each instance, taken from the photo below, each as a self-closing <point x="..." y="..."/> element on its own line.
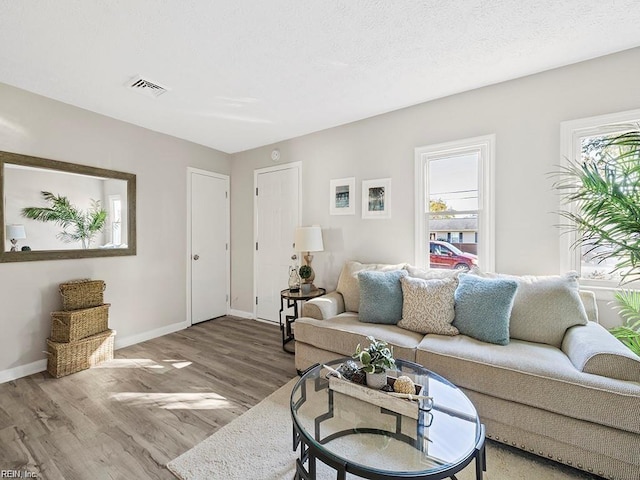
<point x="80" y="334"/>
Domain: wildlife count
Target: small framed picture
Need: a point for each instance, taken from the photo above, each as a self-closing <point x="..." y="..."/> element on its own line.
<point x="342" y="194"/>
<point x="376" y="198"/>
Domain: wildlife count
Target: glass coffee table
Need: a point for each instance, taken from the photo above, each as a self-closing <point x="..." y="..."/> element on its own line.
<point x="354" y="436"/>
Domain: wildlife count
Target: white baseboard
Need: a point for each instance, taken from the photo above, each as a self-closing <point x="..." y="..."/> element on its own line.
<point x="268" y="322"/>
<point x="250" y="316"/>
<point x="122" y="342"/>
<point x="241" y="314"/>
<point x="41" y="365"/>
<point x="23" y="371"/>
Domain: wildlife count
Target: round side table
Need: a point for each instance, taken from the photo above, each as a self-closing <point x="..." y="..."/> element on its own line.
<point x="292" y="299"/>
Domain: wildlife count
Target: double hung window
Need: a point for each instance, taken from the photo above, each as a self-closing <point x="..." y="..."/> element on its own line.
<point x="585" y="140"/>
<point x="454" y="204"/>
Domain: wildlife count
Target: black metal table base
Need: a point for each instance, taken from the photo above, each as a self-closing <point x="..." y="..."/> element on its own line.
<point x="310" y="453"/>
<point x="286" y="326"/>
<point x="292" y="299"/>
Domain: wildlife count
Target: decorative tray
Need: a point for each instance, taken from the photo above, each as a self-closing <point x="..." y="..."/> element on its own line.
<point x="380" y="398"/>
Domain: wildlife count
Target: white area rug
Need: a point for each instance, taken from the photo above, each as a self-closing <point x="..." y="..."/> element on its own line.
<point x="258" y="446"/>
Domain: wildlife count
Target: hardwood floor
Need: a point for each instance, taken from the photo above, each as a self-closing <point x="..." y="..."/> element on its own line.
<point x="127" y="418"/>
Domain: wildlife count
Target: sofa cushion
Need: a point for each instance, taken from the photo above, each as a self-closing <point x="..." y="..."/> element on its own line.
<point x="348" y="282"/>
<point x="343" y="333"/>
<point x="483" y="306"/>
<point x="380" y="296"/>
<point x="594" y="350"/>
<point x="428" y="305"/>
<point x="533" y="374"/>
<point x="545" y="307"/>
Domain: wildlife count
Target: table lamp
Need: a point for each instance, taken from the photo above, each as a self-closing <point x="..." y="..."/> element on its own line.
<point x="15" y="233"/>
<point x="308" y="239"/>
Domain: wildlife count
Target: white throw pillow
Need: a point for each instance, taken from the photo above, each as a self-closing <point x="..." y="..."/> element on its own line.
<point x="431" y="273"/>
<point x="545" y="307"/>
<point x="428" y="306"/>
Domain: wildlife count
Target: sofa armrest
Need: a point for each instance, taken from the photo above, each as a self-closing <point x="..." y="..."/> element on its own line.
<point x="592" y="349"/>
<point x="324" y="307"/>
<point x="590" y="306"/>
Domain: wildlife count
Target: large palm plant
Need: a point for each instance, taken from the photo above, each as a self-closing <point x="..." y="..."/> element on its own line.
<point x="77" y="225"/>
<point x="629" y="309"/>
<point x="604" y="186"/>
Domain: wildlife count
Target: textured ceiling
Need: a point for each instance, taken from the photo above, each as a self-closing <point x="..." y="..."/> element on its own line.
<point x="245" y="73"/>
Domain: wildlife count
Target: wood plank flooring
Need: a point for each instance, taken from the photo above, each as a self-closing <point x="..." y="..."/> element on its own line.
<point x="127" y="418"/>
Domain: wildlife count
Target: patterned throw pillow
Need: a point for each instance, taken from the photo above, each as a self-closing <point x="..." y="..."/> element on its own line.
<point x="428" y="305"/>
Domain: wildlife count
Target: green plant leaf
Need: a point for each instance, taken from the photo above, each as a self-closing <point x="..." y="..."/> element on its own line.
<point x="628" y="306"/>
<point x="365" y="358"/>
<point x="628" y="337"/>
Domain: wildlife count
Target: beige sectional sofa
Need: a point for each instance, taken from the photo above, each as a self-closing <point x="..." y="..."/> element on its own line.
<point x="577" y="403"/>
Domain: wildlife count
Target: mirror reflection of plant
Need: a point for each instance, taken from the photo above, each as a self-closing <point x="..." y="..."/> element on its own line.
<point x="77" y="225"/>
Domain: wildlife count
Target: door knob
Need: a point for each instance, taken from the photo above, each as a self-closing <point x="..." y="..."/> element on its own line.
<point x="294" y="257"/>
<point x="196" y="256"/>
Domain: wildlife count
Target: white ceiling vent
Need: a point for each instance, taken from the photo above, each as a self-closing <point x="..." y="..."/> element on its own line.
<point x="146" y="87"/>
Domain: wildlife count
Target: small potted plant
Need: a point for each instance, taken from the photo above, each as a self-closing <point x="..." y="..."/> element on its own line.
<point x="305" y="272"/>
<point x="376" y="359"/>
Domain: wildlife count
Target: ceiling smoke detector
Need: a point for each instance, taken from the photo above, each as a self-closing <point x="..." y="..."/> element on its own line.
<point x="146" y="87"/>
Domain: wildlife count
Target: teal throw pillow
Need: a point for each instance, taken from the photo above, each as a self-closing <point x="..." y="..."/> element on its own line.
<point x="483" y="307"/>
<point x="380" y="296"/>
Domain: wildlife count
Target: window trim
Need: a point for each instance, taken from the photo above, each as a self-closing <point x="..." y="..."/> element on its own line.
<point x="571" y="132"/>
<point x="486" y="201"/>
<point x="112" y="199"/>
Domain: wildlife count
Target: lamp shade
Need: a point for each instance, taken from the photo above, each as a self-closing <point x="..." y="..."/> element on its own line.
<point x="309" y="239"/>
<point x="16" y="232"/>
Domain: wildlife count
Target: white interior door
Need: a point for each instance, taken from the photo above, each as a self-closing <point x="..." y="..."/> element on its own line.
<point x="209" y="249"/>
<point x="277" y="216"/>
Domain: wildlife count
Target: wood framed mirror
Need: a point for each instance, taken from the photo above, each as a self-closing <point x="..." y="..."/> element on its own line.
<point x="53" y="210"/>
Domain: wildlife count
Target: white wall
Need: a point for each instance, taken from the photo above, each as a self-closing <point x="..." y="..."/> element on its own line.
<point x="525" y="115"/>
<point x="147" y="291"/>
